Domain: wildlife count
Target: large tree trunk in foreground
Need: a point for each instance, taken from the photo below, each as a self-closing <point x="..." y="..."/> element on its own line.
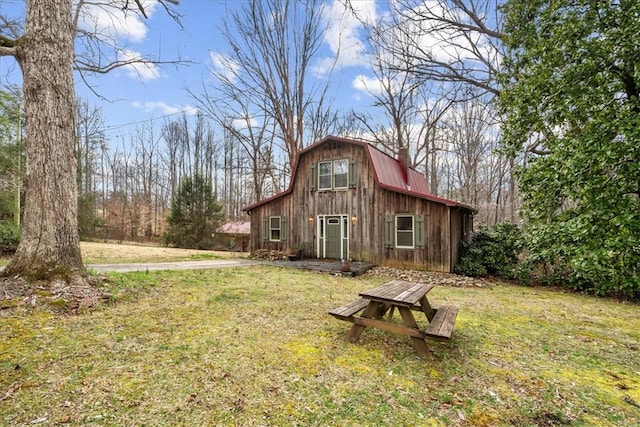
<point x="50" y="248"/>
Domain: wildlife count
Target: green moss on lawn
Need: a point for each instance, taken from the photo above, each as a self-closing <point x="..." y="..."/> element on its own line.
<point x="254" y="346"/>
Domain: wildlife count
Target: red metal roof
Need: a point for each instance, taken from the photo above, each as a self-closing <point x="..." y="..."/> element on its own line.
<point x="390" y="174"/>
<point x="388" y="170"/>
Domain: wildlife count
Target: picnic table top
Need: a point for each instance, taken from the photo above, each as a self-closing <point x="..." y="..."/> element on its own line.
<point x="398" y="292"/>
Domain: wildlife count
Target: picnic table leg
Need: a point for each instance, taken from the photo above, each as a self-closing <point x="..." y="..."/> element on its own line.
<point x="426" y="307"/>
<point x="369" y="312"/>
<point x="418" y="343"/>
<point x="383" y="310"/>
<point x="391" y="313"/>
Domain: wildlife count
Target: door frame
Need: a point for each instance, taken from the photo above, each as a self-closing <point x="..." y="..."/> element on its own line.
<point x="345" y="233"/>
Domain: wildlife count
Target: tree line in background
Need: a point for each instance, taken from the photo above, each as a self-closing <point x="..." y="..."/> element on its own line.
<point x="126" y="187"/>
<point x="260" y="110"/>
<point x="507" y="106"/>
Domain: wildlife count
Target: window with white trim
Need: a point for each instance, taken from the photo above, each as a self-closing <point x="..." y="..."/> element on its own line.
<point x="404" y="231"/>
<point x="340" y="173"/>
<point x="324" y="175"/>
<point x="333" y="175"/>
<point x="275" y="228"/>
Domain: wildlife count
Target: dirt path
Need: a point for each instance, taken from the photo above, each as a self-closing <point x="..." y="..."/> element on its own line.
<point x="174" y="265"/>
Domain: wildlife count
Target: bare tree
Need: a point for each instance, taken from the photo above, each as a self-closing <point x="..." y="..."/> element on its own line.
<point x="412" y="108"/>
<point x="455" y="41"/>
<point x="89" y="142"/>
<point x="99" y="47"/>
<point x="89" y="139"/>
<point x="478" y="172"/>
<point x="454" y="47"/>
<point x="147" y="166"/>
<point x="265" y="74"/>
<point x="394" y="92"/>
<point x="49" y="249"/>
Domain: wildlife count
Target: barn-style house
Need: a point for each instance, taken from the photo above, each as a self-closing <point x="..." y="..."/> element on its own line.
<point x="349" y="200"/>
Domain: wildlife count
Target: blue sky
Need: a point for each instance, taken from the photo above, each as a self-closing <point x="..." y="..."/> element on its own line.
<point x="133" y="97"/>
<point x="130" y="98"/>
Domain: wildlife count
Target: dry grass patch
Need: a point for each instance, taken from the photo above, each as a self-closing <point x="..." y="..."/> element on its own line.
<point x="101" y="253"/>
<point x="115" y="253"/>
<point x="254" y="346"/>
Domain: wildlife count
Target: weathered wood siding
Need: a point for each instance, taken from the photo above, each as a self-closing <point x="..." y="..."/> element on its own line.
<point x="436" y="255"/>
<point x="302" y="203"/>
<point x="366" y="206"/>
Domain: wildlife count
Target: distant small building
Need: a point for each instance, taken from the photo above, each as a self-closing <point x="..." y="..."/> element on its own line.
<point x="234" y="235"/>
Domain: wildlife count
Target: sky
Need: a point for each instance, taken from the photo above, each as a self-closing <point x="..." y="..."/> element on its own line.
<point x="134" y="97"/>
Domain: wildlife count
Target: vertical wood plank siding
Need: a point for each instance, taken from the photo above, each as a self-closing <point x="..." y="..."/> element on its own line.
<point x="368" y="204"/>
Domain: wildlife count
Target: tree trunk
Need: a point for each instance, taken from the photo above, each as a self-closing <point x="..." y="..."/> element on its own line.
<point x="49" y="248"/>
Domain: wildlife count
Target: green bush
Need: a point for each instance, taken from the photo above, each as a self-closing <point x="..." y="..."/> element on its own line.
<point x="492" y="250"/>
<point x="9" y="237"/>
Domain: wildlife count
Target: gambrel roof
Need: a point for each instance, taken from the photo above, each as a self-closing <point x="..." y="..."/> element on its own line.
<point x="390" y="174"/>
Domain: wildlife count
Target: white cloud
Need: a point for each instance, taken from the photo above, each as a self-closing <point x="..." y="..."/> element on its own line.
<point x="244" y="123"/>
<point x="376" y="86"/>
<point x="368" y="85"/>
<point x="111" y="21"/>
<point x="144" y="71"/>
<point x="344" y="32"/>
<point x="224" y="66"/>
<point x="165" y="109"/>
<point x="445" y="44"/>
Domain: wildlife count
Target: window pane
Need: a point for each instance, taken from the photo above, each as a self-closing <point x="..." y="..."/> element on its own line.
<point x="325" y="182"/>
<point x="404" y="231"/>
<point x="325" y="168"/>
<point x="274" y="228"/>
<point x="275" y="222"/>
<point x="404" y="223"/>
<point x="324" y="175"/>
<point x="405" y="239"/>
<point x="340" y="173"/>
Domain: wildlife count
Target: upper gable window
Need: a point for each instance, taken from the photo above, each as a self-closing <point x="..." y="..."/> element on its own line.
<point x="340" y="173"/>
<point x="324" y="175"/>
<point x="333" y="175"/>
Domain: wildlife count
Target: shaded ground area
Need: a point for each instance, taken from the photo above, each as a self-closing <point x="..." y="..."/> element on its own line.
<point x="327" y="266"/>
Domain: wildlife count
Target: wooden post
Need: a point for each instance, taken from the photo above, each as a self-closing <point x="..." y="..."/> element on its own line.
<point x="418" y="343"/>
<point x="369" y="312"/>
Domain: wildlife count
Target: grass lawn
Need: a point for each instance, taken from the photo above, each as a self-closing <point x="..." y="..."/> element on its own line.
<point x="113" y="253"/>
<point x="254" y="346"/>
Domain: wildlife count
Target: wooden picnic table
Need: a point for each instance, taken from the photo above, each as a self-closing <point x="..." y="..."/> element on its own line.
<point x="404" y="297"/>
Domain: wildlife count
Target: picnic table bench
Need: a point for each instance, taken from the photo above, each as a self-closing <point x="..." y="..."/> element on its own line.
<point x="404" y="297"/>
